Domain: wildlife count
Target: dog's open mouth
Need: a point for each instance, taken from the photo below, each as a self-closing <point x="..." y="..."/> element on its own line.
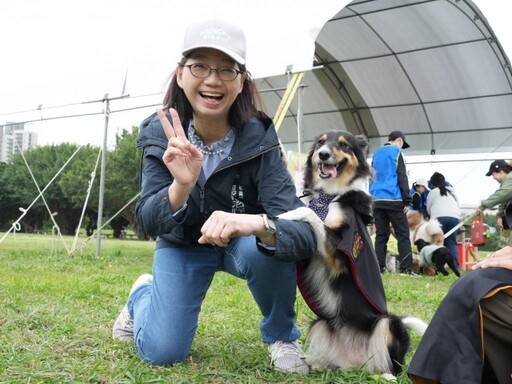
<point x="330" y="171"/>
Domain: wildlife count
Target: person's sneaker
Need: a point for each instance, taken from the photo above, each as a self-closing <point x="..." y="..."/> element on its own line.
<point x="388" y="377"/>
<point x="123" y="327"/>
<point x="409" y="273"/>
<point x="288" y="357"/>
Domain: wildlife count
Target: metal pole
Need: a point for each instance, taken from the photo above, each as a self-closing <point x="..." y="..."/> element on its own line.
<point x="299" y="124"/>
<point x="102" y="175"/>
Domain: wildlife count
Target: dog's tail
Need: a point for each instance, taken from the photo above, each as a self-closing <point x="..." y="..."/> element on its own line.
<point x="417" y="325"/>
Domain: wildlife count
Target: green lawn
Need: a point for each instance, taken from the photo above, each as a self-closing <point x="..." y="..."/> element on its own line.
<point x="57" y="315"/>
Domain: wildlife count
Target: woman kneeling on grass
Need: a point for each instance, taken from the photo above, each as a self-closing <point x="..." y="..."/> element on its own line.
<point x="209" y="181"/>
<point x="470" y="337"/>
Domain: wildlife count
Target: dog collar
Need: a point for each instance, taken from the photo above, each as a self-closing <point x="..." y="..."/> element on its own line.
<point x="320" y="204"/>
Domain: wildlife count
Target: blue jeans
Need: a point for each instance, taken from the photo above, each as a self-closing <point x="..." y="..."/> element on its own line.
<point x="451" y="241"/>
<point x="166" y="312"/>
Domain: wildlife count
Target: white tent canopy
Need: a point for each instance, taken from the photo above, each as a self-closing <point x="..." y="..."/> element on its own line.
<point x="433" y="69"/>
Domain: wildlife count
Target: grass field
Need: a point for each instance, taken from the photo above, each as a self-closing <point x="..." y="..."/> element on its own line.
<point x="57" y="314"/>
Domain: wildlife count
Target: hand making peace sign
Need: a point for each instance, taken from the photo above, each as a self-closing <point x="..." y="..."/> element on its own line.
<point x="181" y="157"/>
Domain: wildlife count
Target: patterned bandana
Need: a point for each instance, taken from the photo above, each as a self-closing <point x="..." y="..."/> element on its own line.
<point x="320" y="205"/>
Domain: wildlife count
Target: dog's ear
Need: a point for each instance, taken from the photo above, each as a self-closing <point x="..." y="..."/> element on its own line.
<point x="308" y="172"/>
<point x="420" y="243"/>
<point x="312" y="150"/>
<point x="362" y="142"/>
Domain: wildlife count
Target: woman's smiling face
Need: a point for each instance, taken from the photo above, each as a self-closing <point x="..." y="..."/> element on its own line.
<point x="210" y="97"/>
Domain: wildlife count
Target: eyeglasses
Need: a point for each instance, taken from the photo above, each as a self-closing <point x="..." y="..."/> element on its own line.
<point x="202" y="71"/>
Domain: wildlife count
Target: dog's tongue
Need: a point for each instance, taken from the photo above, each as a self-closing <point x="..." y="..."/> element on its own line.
<point x="329" y="169"/>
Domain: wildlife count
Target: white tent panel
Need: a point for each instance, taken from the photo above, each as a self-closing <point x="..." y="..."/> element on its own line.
<point x="423" y="26"/>
<point x="357" y="36"/>
<point x="378" y="89"/>
<point x="472" y="114"/>
<point x="400" y="118"/>
<point x="458" y="71"/>
<point x="431" y="68"/>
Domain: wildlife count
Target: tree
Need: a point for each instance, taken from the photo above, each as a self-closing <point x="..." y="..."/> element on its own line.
<point x="75" y="181"/>
<point x="67" y="193"/>
<point x="44" y="162"/>
<point x="122" y="180"/>
<point x="8" y="199"/>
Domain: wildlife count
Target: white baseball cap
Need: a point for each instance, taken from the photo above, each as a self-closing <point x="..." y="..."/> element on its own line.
<point x="216" y="34"/>
<point x="422" y="182"/>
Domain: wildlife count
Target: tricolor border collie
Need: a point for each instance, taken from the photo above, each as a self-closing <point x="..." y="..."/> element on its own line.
<point x="342" y="282"/>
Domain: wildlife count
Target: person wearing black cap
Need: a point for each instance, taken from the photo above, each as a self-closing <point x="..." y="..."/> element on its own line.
<point x="500" y="171"/>
<point x="390" y="191"/>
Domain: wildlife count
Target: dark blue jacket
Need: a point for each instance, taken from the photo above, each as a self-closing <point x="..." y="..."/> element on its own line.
<point x="252" y="179"/>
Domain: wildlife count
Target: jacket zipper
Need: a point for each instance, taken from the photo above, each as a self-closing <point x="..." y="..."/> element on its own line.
<point x="201" y="199"/>
<point x="202" y="189"/>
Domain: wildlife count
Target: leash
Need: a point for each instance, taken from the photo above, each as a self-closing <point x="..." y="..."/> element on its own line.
<point x="462" y="221"/>
<point x="453" y="229"/>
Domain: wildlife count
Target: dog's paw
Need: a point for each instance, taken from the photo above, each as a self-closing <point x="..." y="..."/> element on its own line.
<point x="300" y="214"/>
<point x="308" y="216"/>
<point x="318" y="365"/>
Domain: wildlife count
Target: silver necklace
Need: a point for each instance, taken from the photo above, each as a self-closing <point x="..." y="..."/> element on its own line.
<point x="203" y="148"/>
<point x="198" y="143"/>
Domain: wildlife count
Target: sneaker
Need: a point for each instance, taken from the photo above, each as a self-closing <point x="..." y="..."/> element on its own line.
<point x="123" y="327"/>
<point x="409" y="273"/>
<point x="288" y="357"/>
<point x="388" y="377"/>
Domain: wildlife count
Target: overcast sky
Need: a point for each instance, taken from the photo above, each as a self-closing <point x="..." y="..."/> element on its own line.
<point x="61" y="52"/>
<point x="58" y="52"/>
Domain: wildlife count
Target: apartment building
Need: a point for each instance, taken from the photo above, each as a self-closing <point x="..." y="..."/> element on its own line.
<point x="15" y="138"/>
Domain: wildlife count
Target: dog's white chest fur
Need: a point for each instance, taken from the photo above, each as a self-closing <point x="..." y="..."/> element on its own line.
<point x="335" y="216"/>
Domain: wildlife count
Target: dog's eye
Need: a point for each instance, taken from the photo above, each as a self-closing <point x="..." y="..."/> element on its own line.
<point x="321" y="142"/>
<point x="343" y="144"/>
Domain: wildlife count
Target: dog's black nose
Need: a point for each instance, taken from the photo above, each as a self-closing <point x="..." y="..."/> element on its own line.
<point x="324" y="155"/>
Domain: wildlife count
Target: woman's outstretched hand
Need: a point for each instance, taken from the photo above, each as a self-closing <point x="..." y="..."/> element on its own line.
<point x="221" y="227"/>
<point x="502" y="258"/>
<point x="182" y="158"/>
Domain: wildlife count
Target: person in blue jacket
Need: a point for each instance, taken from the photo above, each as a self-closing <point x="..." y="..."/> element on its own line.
<point x="419" y="193"/>
<point x="213" y="181"/>
<point x="391" y="200"/>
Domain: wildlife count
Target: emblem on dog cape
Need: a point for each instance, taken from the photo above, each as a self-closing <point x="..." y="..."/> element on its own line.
<point x="357" y="247"/>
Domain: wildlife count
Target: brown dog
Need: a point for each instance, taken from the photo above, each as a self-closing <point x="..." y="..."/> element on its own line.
<point x="431" y="231"/>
